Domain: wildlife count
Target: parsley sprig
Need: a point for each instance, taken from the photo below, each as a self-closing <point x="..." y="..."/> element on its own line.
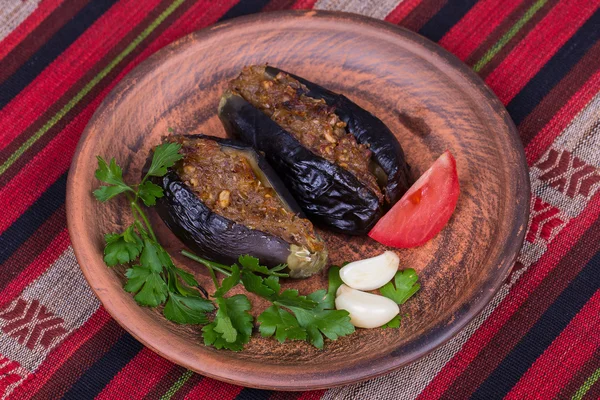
<point x="291" y="316"/>
<point x="400" y="289"/>
<point x="151" y="277"/>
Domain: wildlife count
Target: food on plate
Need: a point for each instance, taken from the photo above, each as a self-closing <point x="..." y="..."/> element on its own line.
<point x="424" y="209"/>
<point x="342" y="164"/>
<point x="370" y="273"/>
<point x="245" y="220"/>
<point x="223" y="200"/>
<point x="154" y="279"/>
<point x="367" y="310"/>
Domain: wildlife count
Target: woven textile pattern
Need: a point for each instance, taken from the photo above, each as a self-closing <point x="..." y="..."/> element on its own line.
<point x="539" y="338"/>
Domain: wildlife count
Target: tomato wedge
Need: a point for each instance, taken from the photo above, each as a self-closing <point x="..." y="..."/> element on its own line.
<point x="424" y="209"/>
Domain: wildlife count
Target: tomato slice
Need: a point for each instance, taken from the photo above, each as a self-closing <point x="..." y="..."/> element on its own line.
<point x="424" y="209"/>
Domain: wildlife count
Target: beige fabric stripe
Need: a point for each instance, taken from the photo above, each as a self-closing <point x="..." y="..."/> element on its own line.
<point x="371" y="8"/>
<point x="13" y="12"/>
<point x="63" y="291"/>
<point x="581" y="136"/>
<point x="582" y="139"/>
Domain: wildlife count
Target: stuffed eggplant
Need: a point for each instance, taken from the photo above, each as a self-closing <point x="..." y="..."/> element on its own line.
<point x="341" y="163"/>
<point x="224" y="200"/>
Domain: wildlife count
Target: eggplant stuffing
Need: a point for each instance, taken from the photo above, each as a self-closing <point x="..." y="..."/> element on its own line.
<point x="341" y="163"/>
<point x="224" y="200"/>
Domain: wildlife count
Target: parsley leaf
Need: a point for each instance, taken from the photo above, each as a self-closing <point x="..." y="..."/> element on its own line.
<point x="275" y="320"/>
<point x="393" y="323"/>
<point x="187" y="309"/>
<point x="177" y="287"/>
<point x="250" y="263"/>
<point x="273" y="283"/>
<point x="290" y="298"/>
<point x="150" y="255"/>
<point x="403" y="287"/>
<point x="331" y="323"/>
<point x="335" y="282"/>
<point x="269" y="288"/>
<point x="223" y="324"/>
<point x="150" y="287"/>
<point x="109" y="173"/>
<point x="105" y="193"/>
<point x="113" y="175"/>
<point x="186" y="276"/>
<point x="229" y="282"/>
<point x="255" y="284"/>
<point x="149" y="192"/>
<point x="232" y="326"/>
<point x="165" y="156"/>
<point x="323" y="321"/>
<point x="122" y="249"/>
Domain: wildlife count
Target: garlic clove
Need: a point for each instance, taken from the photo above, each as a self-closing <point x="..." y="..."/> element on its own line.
<point x="370" y="273"/>
<point x="366" y="310"/>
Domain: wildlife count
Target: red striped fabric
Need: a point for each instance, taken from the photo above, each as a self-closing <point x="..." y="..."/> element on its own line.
<point x="45" y="164"/>
<point x="145" y="364"/>
<point x="402" y="10"/>
<point x="303" y="4"/>
<point x="562" y="118"/>
<point x="61" y="355"/>
<point x="519" y="67"/>
<point x="55" y="80"/>
<point x="26" y="27"/>
<point x="562" y="123"/>
<point x="559" y="361"/>
<point x="37" y="266"/>
<point x="476" y="25"/>
<point x="209" y="389"/>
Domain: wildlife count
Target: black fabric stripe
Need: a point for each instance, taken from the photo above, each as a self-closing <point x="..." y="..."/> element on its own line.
<point x="103" y="371"/>
<point x="58" y="43"/>
<point x="446" y="18"/>
<point x="542" y="334"/>
<point x="28" y="223"/>
<point x="555" y="70"/>
<point x="244" y="7"/>
<point x="254" y="394"/>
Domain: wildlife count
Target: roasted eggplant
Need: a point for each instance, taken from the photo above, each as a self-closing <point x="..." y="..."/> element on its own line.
<point x="341" y="163"/>
<point x="224" y="200"/>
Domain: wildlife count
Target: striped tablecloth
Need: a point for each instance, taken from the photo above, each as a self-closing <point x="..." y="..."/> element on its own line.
<point x="538" y="339"/>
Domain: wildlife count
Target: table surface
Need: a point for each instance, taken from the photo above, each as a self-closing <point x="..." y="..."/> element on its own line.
<point x="538" y="339"/>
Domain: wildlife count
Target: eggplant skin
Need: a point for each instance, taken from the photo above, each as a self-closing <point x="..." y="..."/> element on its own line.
<point x="327" y="193"/>
<point x="330" y="195"/>
<point x="366" y="128"/>
<point x="222" y="240"/>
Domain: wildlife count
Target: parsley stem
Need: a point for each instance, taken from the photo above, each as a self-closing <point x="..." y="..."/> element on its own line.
<point x="140" y="226"/>
<point x="213" y="276"/>
<point x="211" y="265"/>
<point x="141" y="213"/>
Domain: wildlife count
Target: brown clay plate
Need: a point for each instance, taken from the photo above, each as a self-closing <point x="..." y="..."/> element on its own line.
<point x="425" y="95"/>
